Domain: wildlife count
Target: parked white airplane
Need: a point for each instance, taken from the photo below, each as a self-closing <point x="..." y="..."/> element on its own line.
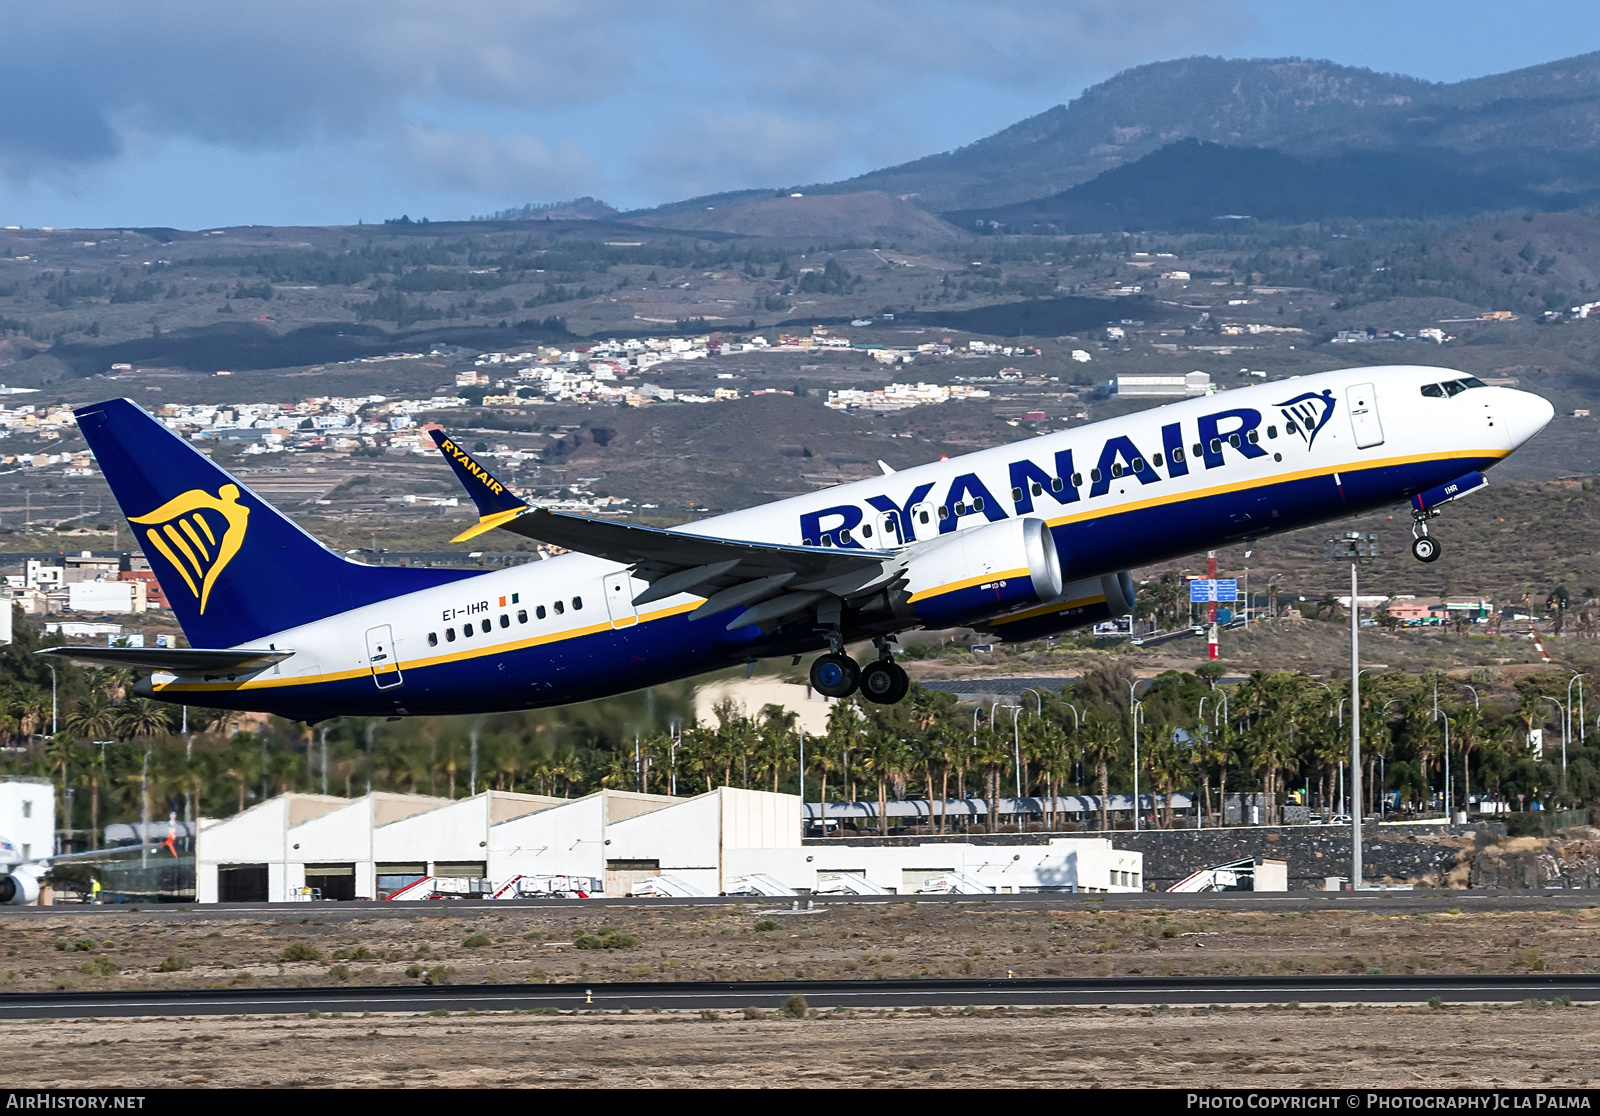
<point x="1020" y="541"/>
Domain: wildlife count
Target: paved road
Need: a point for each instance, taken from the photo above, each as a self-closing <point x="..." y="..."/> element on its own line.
<point x="1402" y="902"/>
<point x="868" y="994"/>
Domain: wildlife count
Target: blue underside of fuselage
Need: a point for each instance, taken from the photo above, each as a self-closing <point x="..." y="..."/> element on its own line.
<point x="610" y="662"/>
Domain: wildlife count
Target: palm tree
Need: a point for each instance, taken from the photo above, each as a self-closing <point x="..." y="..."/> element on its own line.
<point x="1101" y="741"/>
<point x="93" y="718"/>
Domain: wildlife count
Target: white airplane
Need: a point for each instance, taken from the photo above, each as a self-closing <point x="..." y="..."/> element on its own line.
<point x="1021" y="541"/>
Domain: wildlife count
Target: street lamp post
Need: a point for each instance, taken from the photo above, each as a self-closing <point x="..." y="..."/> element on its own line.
<point x="1445" y="717"/>
<point x="1563" y="710"/>
<point x="1135" y="711"/>
<point x="1354" y="548"/>
<point x="1576" y="677"/>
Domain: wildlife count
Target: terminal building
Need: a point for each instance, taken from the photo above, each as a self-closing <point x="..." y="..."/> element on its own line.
<point x="727" y="841"/>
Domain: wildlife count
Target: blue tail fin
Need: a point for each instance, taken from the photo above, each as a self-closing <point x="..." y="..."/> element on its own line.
<point x="234" y="567"/>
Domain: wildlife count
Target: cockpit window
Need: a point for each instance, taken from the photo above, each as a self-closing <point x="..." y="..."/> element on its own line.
<point x="1454" y="387"/>
<point x="1473" y="382"/>
<point x="1433" y="391"/>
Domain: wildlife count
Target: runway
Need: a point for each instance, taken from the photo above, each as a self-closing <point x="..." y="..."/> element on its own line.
<point x="1369" y="902"/>
<point x="823" y="995"/>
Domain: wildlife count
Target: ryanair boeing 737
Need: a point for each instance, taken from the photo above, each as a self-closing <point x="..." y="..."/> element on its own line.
<point x="1021" y="541"/>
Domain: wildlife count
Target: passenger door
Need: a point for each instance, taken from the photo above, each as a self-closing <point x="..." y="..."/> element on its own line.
<point x="924" y="522"/>
<point x="1362" y="402"/>
<point x="888" y="530"/>
<point x="382" y="659"/>
<point x="619" y="600"/>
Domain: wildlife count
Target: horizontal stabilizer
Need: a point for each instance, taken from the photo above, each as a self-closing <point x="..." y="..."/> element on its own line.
<point x="177" y="660"/>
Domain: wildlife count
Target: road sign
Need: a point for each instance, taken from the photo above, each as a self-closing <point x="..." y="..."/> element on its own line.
<point x="1204" y="590"/>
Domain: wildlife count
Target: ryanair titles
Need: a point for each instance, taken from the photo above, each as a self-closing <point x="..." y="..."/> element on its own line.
<point x="1235" y="431"/>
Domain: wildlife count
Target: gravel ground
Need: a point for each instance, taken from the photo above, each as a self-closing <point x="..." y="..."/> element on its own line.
<point x="1451" y="1047"/>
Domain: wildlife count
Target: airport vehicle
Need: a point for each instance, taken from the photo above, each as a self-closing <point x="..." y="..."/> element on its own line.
<point x="1021" y="541"/>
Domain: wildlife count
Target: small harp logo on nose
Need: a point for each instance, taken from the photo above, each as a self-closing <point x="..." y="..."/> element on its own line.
<point x="199" y="534"/>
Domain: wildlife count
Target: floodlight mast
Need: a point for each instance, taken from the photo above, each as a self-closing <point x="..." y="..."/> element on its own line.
<point x="1354" y="548"/>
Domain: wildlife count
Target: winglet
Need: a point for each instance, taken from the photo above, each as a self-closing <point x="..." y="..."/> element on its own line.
<point x="496" y="503"/>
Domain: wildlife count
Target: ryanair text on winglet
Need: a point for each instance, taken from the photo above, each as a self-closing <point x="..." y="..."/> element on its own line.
<point x="473" y="467"/>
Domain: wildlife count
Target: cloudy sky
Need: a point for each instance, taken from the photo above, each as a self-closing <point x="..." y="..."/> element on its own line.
<point x="160" y="112"/>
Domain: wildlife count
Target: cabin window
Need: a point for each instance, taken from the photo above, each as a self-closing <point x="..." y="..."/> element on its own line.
<point x="1198" y="449"/>
<point x="1233" y="440"/>
<point x="1138" y="464"/>
<point x="560" y="608"/>
<point x="1094" y="476"/>
<point x="1272" y="431"/>
<point x="844" y="535"/>
<point x="1038" y="489"/>
<point x="808" y="542"/>
<point x="923" y="514"/>
<point x="1155" y="459"/>
<point x="449" y="635"/>
<point x="1116" y="468"/>
<point x="1253" y="436"/>
<point x="1177" y="455"/>
<point x="1216" y="445"/>
<point x="522" y="616"/>
<point x="977" y="503"/>
<point x="1016" y="493"/>
<point x="827" y="540"/>
<point x="1056" y="484"/>
<point x="538" y="612"/>
<point x="505" y="621"/>
<point x="433" y="639"/>
<point x="577" y="604"/>
<point x="1077" y="480"/>
<point x="944" y="512"/>
<point x="866" y="530"/>
<point x="1291" y="428"/>
<point x="466" y="629"/>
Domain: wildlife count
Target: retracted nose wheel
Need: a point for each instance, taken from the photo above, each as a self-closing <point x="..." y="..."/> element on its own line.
<point x="884" y="682"/>
<point x="835" y="675"/>
<point x="1425" y="548"/>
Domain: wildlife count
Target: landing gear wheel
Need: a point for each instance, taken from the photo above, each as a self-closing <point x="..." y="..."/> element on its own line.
<point x="835" y="675"/>
<point x="884" y="682"/>
<point x="1425" y="548"/>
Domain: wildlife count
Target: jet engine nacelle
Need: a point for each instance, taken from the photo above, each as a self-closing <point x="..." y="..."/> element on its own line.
<point x="1077" y="606"/>
<point x="20" y="887"/>
<point x="973" y="574"/>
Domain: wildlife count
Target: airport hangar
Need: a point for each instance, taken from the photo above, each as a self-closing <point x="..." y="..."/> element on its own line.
<point x="727" y="841"/>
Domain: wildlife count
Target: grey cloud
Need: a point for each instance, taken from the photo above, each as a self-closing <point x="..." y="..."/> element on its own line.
<point x="283" y="74"/>
<point x="511" y="166"/>
<point x="725" y="151"/>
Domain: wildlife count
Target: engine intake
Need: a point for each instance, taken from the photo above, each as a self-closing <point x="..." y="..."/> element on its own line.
<point x="976" y="573"/>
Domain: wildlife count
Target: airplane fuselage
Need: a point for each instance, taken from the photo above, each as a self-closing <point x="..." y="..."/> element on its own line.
<point x="1122" y="493"/>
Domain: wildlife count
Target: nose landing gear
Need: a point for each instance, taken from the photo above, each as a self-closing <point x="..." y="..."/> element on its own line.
<point x="1424" y="547"/>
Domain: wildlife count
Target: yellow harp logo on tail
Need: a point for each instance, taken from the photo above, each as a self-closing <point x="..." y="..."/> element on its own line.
<point x="199" y="534"/>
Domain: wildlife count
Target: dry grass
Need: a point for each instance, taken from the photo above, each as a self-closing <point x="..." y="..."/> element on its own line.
<point x="849" y="941"/>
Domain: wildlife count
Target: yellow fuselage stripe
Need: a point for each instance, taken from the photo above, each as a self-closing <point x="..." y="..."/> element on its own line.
<point x="662" y="614"/>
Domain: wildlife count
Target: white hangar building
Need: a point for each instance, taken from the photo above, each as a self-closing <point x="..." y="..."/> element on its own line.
<point x="725" y="840"/>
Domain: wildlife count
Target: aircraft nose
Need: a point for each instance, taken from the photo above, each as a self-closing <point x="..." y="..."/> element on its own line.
<point x="1525" y="415"/>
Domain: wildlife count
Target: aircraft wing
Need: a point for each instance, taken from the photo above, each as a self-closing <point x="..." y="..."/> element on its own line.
<point x="178" y="660"/>
<point x="772" y="580"/>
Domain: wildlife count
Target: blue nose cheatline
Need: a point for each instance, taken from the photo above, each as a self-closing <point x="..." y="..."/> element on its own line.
<point x="1018" y="541"/>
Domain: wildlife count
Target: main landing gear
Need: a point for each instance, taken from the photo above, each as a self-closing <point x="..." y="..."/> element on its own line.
<point x="837" y="675"/>
<point x="1424" y="547"/>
